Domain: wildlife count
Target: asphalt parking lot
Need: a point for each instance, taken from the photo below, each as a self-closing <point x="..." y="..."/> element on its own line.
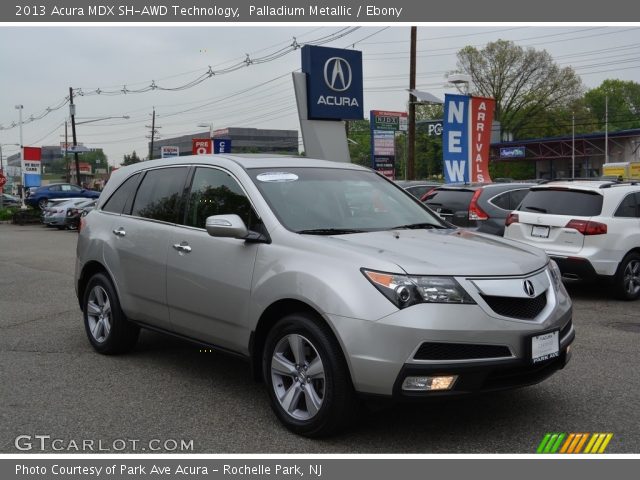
<point x="53" y="383"/>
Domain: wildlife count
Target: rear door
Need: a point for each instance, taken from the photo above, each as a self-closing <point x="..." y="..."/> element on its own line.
<point x="139" y="239"/>
<point x="452" y="204"/>
<point x="544" y="214"/>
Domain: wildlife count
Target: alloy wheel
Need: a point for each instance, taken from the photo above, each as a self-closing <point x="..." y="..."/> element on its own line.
<point x="632" y="278"/>
<point x="298" y="377"/>
<point x="99" y="314"/>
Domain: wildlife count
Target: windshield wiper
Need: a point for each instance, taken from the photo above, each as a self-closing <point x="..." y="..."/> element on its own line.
<point x="417" y="226"/>
<point x="537" y="209"/>
<point x="330" y="231"/>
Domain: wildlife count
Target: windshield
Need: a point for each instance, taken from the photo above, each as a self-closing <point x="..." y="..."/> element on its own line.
<point x="333" y="201"/>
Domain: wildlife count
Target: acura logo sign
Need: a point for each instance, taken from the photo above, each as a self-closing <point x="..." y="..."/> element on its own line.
<point x="528" y="288"/>
<point x="337" y="74"/>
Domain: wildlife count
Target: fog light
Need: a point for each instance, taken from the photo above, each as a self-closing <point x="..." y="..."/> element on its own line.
<point x="429" y="383"/>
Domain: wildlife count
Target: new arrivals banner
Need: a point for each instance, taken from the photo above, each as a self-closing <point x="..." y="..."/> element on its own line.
<point x="467" y="137"/>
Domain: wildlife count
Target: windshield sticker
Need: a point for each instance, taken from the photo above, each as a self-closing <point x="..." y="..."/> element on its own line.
<point x="277" y="177"/>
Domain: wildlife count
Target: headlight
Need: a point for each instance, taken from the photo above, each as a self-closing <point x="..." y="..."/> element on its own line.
<point x="406" y="290"/>
<point x="556" y="274"/>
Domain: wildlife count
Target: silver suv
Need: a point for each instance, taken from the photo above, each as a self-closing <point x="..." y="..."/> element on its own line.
<point x="332" y="281"/>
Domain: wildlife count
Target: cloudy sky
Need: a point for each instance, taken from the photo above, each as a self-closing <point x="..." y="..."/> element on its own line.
<point x="39" y="64"/>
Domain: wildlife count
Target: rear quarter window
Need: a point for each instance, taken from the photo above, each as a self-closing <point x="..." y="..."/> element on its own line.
<point x="451" y="199"/>
<point x="580" y="203"/>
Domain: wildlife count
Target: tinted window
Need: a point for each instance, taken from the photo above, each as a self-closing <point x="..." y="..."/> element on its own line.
<point x="628" y="207"/>
<point x="419" y="191"/>
<point x="160" y="193"/>
<point x="118" y="200"/>
<point x="215" y="192"/>
<point x="563" y="202"/>
<point x="54" y="188"/>
<point x="516" y="196"/>
<point x="502" y="201"/>
<point x="451" y="200"/>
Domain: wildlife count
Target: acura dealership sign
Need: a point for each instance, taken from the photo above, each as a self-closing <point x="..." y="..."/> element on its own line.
<point x="334" y="83"/>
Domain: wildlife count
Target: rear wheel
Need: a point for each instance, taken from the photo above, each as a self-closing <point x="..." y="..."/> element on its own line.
<point x="626" y="282"/>
<point x="107" y="328"/>
<point x="42" y="203"/>
<point x="306" y="376"/>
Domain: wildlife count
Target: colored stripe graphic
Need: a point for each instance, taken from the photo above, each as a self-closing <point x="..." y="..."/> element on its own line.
<point x="574" y="442"/>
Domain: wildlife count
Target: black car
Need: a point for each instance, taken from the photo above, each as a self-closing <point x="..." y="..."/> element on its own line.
<point x="417" y="188"/>
<point x="482" y="206"/>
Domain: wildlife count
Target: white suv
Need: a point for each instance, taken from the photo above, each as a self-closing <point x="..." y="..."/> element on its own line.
<point x="591" y="229"/>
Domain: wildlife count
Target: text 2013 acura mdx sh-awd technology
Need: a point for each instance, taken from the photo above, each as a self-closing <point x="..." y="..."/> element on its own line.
<point x="333" y="282"/>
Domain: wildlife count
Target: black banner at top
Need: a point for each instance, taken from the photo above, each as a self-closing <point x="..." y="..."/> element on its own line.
<point x="316" y="11"/>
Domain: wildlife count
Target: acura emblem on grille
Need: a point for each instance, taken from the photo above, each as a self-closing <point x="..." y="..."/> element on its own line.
<point x="528" y="288"/>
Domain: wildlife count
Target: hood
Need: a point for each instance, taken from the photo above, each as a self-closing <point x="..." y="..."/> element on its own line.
<point x="446" y="252"/>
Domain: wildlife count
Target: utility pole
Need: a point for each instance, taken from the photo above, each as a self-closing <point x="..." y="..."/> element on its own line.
<point x="66" y="148"/>
<point x="606" y="129"/>
<point x="411" y="133"/>
<point x="153" y="133"/>
<point x="573" y="145"/>
<point x="72" y="111"/>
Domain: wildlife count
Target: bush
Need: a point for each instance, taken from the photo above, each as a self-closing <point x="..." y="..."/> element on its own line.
<point x="7" y="213"/>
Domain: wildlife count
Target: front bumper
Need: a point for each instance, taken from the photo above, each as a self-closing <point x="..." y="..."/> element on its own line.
<point x="380" y="353"/>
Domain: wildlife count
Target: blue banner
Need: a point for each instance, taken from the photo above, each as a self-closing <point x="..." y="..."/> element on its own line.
<point x="334" y="83"/>
<point x="455" y="138"/>
<point x="221" y="145"/>
<point x="32" y="180"/>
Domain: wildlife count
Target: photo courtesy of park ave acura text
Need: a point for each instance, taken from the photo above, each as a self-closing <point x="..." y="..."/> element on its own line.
<point x="343" y="233"/>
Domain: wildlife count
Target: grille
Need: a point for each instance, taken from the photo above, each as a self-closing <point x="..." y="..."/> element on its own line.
<point x="522" y="308"/>
<point x="459" y="351"/>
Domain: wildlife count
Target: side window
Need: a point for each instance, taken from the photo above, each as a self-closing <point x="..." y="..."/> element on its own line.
<point x="54" y="188"/>
<point x="628" y="207"/>
<point x="516" y="197"/>
<point x="123" y="195"/>
<point x="74" y="188"/>
<point x="215" y="192"/>
<point x="160" y="194"/>
<point x="502" y="201"/>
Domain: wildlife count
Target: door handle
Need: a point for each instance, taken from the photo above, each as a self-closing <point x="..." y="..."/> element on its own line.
<point x="182" y="247"/>
<point x="119" y="232"/>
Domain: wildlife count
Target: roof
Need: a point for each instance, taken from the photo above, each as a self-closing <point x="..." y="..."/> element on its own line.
<point x="620" y="133"/>
<point x="251" y="161"/>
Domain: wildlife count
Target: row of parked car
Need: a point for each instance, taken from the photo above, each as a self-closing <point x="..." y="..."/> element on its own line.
<point x="591" y="228"/>
<point x="65" y="213"/>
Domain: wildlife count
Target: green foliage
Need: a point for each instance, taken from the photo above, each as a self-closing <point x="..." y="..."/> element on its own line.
<point x="7" y="213"/>
<point x="526" y="83"/>
<point x="523" y="170"/>
<point x="130" y="159"/>
<point x="624" y="104"/>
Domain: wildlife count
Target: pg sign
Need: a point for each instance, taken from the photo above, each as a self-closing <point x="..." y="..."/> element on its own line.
<point x="466" y="138"/>
<point x="334" y="83"/>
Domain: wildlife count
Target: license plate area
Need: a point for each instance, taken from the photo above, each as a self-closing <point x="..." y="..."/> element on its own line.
<point x="545" y="346"/>
<point x="540" y="231"/>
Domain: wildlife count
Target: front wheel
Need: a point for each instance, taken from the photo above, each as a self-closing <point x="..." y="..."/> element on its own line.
<point x="307" y="378"/>
<point x="42" y="203"/>
<point x="107" y="328"/>
<point x="626" y="282"/>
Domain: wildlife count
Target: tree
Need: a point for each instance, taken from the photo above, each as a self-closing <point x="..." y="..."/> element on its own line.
<point x="624" y="104"/>
<point x="524" y="82"/>
<point x="130" y="159"/>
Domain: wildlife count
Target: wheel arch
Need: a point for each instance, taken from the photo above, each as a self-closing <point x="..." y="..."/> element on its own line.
<point x="89" y="270"/>
<point x="267" y="320"/>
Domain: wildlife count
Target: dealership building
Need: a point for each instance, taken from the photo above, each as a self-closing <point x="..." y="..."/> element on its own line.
<point x="554" y="156"/>
<point x="243" y="140"/>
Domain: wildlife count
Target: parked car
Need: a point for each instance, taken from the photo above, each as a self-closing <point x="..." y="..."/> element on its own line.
<point x="43" y="194"/>
<point x="55" y="213"/>
<point x="264" y="256"/>
<point x="76" y="212"/>
<point x="483" y="206"/>
<point x="10" y="200"/>
<point x="591" y="229"/>
<point x="417" y="188"/>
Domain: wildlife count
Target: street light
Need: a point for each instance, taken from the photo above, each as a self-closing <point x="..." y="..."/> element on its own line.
<point x="207" y="125"/>
<point x="459" y="80"/>
<point x="20" y="108"/>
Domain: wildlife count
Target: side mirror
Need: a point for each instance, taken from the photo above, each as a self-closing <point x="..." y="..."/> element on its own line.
<point x="230" y="226"/>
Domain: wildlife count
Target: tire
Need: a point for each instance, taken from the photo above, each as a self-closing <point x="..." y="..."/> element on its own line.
<point x="107" y="328"/>
<point x="626" y="283"/>
<point x="42" y="203"/>
<point x="316" y="399"/>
